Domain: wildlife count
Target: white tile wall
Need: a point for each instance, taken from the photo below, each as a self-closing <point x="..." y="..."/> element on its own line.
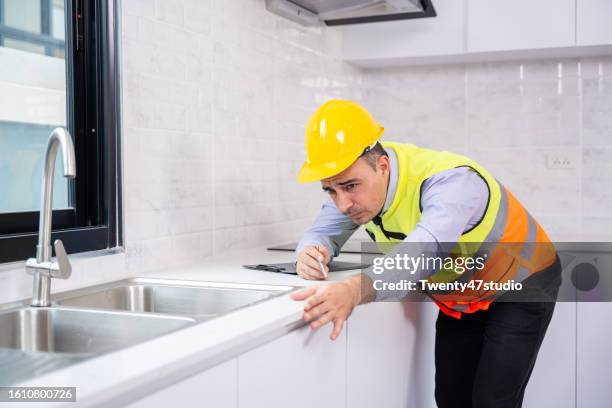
<point x="509" y="116"/>
<point x="216" y="95"/>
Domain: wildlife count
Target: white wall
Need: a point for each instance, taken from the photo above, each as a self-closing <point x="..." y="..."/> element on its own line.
<point x="510" y="116"/>
<point x="216" y="94"/>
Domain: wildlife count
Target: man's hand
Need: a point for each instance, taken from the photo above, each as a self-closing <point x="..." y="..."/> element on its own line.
<point x="307" y="265"/>
<point x="332" y="302"/>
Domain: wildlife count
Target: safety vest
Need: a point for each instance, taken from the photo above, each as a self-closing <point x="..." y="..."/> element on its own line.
<point x="515" y="243"/>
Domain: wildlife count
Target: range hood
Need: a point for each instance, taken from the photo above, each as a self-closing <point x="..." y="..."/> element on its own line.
<point x="340" y="12"/>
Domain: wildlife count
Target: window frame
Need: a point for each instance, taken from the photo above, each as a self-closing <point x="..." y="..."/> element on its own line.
<point x="93" y="118"/>
<point x="1" y="20"/>
<point x="43" y="38"/>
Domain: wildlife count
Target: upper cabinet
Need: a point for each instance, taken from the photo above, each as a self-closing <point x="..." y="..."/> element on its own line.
<point x="500" y="25"/>
<point x="375" y="42"/>
<point x="593" y="22"/>
<point x="481" y="30"/>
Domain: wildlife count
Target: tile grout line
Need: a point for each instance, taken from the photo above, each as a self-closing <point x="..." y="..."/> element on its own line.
<point x="580" y="150"/>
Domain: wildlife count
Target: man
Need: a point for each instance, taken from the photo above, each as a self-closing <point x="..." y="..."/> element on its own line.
<point x="423" y="200"/>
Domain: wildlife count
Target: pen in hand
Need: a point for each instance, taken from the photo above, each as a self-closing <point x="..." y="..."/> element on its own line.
<point x="322" y="267"/>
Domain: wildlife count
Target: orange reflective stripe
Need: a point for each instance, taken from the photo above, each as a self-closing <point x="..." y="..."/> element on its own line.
<point x="470" y="307"/>
<point x="476" y="306"/>
<point x="517" y="221"/>
<point x="447" y="308"/>
<point x="544" y="252"/>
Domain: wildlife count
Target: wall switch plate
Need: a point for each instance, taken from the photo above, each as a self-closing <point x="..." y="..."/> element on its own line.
<point x="561" y="159"/>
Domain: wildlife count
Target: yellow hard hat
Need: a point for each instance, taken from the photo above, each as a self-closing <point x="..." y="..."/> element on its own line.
<point x="336" y="135"/>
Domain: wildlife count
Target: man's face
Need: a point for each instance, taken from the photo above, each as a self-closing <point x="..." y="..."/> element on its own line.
<point x="360" y="191"/>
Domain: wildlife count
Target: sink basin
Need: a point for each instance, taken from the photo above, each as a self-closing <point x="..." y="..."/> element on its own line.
<point x="198" y="300"/>
<point x="85" y="332"/>
<point x="35" y="341"/>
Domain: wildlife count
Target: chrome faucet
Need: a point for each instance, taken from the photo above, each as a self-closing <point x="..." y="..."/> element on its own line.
<point x="42" y="267"/>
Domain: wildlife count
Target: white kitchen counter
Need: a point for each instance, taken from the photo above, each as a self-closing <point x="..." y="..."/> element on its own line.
<point x="116" y="377"/>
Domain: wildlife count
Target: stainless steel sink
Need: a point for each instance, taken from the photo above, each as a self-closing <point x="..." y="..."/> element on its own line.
<point x="75" y="331"/>
<point x="199" y="300"/>
<point x="87" y="322"/>
<point x="38" y="340"/>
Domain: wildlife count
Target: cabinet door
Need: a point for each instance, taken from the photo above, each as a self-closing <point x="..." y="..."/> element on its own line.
<point x="390" y="359"/>
<point x="594" y="355"/>
<point x="440" y="35"/>
<point x="215" y="387"/>
<point x="499" y="25"/>
<point x="594" y="22"/>
<point x="553" y="380"/>
<point x="301" y="369"/>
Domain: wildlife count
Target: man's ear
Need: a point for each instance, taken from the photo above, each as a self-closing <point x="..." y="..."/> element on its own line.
<point x="383" y="164"/>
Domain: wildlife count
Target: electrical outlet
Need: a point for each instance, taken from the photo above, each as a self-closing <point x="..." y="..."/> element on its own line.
<point x="561" y="160"/>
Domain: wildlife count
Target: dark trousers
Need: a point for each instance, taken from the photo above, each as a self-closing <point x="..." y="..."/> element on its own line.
<point x="485" y="359"/>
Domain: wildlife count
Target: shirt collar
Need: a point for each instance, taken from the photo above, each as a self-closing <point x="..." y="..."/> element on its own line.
<point x="393" y="176"/>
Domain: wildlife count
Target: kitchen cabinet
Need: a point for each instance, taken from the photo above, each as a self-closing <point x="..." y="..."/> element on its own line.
<point x="594" y="22"/>
<point x="594" y="366"/>
<point x="390" y="355"/>
<point x="441" y="35"/>
<point x="385" y="357"/>
<point x="553" y="380"/>
<point x="502" y="25"/>
<point x="480" y="30"/>
<point x="215" y="387"/>
<point x="304" y="368"/>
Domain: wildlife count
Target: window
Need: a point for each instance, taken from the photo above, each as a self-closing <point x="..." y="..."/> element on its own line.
<point x="54" y="57"/>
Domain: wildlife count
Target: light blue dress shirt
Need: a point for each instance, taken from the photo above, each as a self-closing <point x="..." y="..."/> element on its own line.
<point x="453" y="201"/>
